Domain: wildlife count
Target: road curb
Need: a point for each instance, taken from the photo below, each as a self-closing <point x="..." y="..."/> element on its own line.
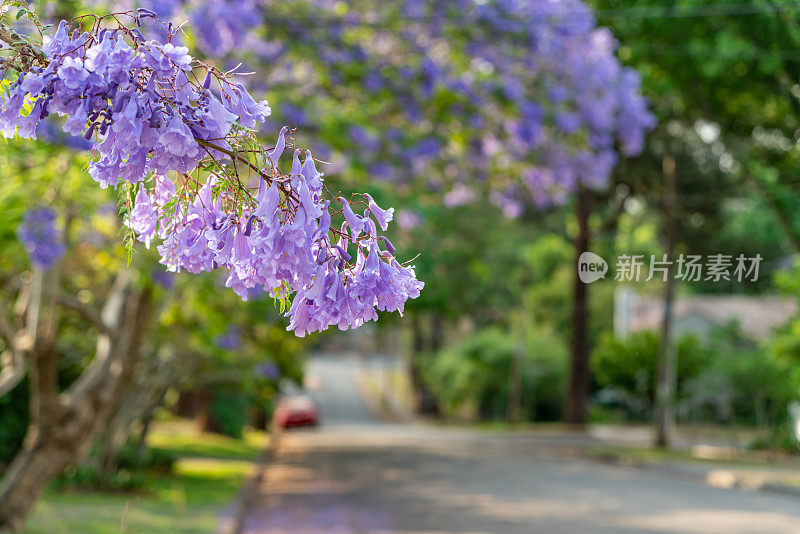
<point x="714" y="477"/>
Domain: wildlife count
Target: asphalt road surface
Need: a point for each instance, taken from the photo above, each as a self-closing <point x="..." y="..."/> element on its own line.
<point x="357" y="475"/>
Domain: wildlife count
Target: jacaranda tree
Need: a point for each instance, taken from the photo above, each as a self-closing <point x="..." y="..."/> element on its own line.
<point x="194" y="178"/>
<point x="520" y="102"/>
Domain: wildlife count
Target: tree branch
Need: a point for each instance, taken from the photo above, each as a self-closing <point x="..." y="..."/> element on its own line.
<point x="28" y="54"/>
<point x="235" y="156"/>
<point x="89" y="314"/>
<point x="12" y="361"/>
<point x="97" y="370"/>
<point x="6" y="332"/>
<point x="13" y="370"/>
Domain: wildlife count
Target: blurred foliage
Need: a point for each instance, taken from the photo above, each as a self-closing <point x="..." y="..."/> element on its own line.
<point x="229" y="412"/>
<point x="13" y="422"/>
<point x="725" y="378"/>
<point x="471" y="378"/>
<point x="725" y="91"/>
<point x="135" y="466"/>
<point x="745" y="380"/>
<point x="629" y="367"/>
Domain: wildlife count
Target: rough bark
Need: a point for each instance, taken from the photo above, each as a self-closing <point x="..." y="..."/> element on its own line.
<point x="579" y="376"/>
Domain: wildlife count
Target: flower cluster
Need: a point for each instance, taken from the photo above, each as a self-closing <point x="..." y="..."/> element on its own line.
<point x="524" y="88"/>
<point x="526" y="95"/>
<point x="137" y="102"/>
<point x="282" y="240"/>
<point x="203" y="185"/>
<point x="41" y="238"/>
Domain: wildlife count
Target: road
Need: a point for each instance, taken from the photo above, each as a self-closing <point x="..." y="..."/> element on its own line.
<point x="356" y="475"/>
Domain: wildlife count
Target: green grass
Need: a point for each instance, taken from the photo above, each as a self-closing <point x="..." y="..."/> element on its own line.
<point x="179" y="438"/>
<point x="208" y="472"/>
<point x="653" y="455"/>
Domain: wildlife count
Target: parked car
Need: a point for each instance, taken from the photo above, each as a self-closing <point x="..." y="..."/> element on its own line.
<point x="296" y="410"/>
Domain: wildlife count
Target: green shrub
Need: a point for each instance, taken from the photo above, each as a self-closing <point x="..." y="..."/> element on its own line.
<point x="473" y="376"/>
<point x="726" y="377"/>
<point x="86" y="477"/>
<point x="157" y="460"/>
<point x="229" y="412"/>
<point x="779" y="439"/>
<point x="629" y="368"/>
<point x="743" y="381"/>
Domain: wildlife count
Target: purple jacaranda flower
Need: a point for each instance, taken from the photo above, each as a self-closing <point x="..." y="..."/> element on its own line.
<point x="72" y="73"/>
<point x="309" y="171"/>
<point x="40" y="237"/>
<point x="230" y="340"/>
<point x="269" y="370"/>
<point x="355" y="222"/>
<point x="143" y="217"/>
<point x="146" y="118"/>
<point x="307" y="203"/>
<point x="110" y="58"/>
<point x="383" y="217"/>
<point x="177" y="149"/>
<point x="179" y="55"/>
<point x="243" y="106"/>
<point x="128" y="128"/>
<point x="275" y="154"/>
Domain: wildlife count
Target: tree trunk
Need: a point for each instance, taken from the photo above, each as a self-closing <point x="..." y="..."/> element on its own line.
<point x="64" y="426"/>
<point x="414" y="363"/>
<point x="425" y="402"/>
<point x="41" y="459"/>
<point x="579" y="376"/>
<point x="141" y="444"/>
<point x="667" y="355"/>
<point x="514" y="408"/>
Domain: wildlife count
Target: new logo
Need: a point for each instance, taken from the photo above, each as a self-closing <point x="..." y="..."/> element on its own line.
<point x="591" y="267"/>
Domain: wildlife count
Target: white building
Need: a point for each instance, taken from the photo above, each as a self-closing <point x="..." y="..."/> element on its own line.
<point x="757" y="316"/>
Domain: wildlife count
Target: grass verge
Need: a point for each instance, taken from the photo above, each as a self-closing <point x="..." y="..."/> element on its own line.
<point x="208" y="471"/>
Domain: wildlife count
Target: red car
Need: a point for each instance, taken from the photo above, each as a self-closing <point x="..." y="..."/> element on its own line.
<point x="296" y="410"/>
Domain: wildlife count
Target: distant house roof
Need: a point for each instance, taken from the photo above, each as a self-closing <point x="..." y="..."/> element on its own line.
<point x="757" y="316"/>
